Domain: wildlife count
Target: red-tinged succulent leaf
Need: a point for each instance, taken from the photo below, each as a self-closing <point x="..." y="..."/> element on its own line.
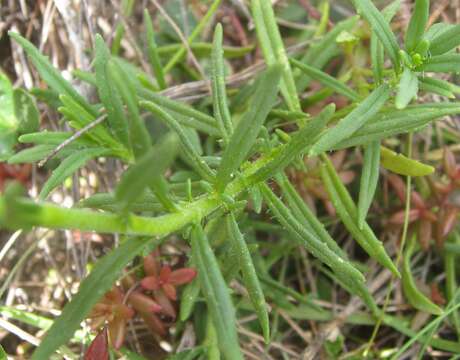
<point x="167" y="307"/>
<point x="398" y="218"/>
<point x="123" y="311"/>
<point x="154" y="323"/>
<point x="151" y="283"/>
<point x="338" y="158"/>
<point x="436" y="295"/>
<point x="99" y="348"/>
<point x="446" y="223"/>
<point x="170" y="291"/>
<point x="165" y="272"/>
<point x="151" y="265"/>
<point x="417" y="200"/>
<point x="117" y="332"/>
<point x="449" y="163"/>
<point x="347" y="176"/>
<point x="182" y="276"/>
<point x="398" y="185"/>
<point x="425" y="231"/>
<point x="143" y="303"/>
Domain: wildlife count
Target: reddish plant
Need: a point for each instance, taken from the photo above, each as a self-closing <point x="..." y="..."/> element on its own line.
<point x="151" y="301"/>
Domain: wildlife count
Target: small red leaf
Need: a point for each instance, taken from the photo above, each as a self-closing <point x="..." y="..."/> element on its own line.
<point x="143" y="303"/>
<point x="170" y="291"/>
<point x="99" y="348"/>
<point x="182" y="276"/>
<point x="150" y="283"/>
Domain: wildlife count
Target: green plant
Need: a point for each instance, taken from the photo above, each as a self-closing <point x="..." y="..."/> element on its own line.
<point x="246" y="164"/>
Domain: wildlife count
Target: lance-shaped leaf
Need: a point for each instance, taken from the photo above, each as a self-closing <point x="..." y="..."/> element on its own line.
<point x="296" y="146"/>
<point x="322" y="51"/>
<point x="407" y="89"/>
<point x="416" y="298"/>
<point x="400" y="164"/>
<point x="50" y="75"/>
<point x="148" y="171"/>
<point x="188" y="116"/>
<point x="442" y="63"/>
<point x="251" y="281"/>
<point x="369" y="179"/>
<point x="110" y="98"/>
<point x="445" y="41"/>
<point x="344" y="271"/>
<point x="273" y="49"/>
<point x="189" y="150"/>
<point x="348" y="213"/>
<point x="249" y="126"/>
<point x="152" y="51"/>
<point x="326" y="79"/>
<point x="138" y="133"/>
<point x="376" y="47"/>
<point x="417" y="24"/>
<point x="304" y="215"/>
<point x="391" y="122"/>
<point x="216" y="293"/>
<point x="219" y="95"/>
<point x="353" y="121"/>
<point x="105" y="272"/>
<point x="380" y="27"/>
<point x="437" y="86"/>
<point x="67" y="167"/>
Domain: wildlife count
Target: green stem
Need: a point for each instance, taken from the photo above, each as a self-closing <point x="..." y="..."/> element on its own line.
<point x="22" y="212"/>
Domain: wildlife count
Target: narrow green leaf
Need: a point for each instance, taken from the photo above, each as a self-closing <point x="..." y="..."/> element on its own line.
<point x="407" y="89"/>
<point x="67" y="167"/>
<point x="188" y="300"/>
<point x="219" y="95"/>
<point x="249" y="126"/>
<point x="273" y="49"/>
<point x="251" y="281"/>
<point x="392" y="121"/>
<point x="26" y="112"/>
<point x="189" y="150"/>
<point x="297" y="146"/>
<point x="50" y="75"/>
<point x="217" y="295"/>
<point x="322" y="51"/>
<point x="152" y="51"/>
<point x="46" y="137"/>
<point x="344" y="271"/>
<point x="31" y="155"/>
<point x="177" y="107"/>
<point x="110" y="99"/>
<point x="326" y="80"/>
<point x="417" y="24"/>
<point x="437" y="86"/>
<point x="304" y="215"/>
<point x="369" y="180"/>
<point x="380" y="27"/>
<point x="377" y="58"/>
<point x="105" y="272"/>
<point x="148" y="171"/>
<point x="416" y="298"/>
<point x="445" y="41"/>
<point x="442" y="63"/>
<point x="138" y="133"/>
<point x="353" y="121"/>
<point x="348" y="213"/>
<point x="400" y="164"/>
